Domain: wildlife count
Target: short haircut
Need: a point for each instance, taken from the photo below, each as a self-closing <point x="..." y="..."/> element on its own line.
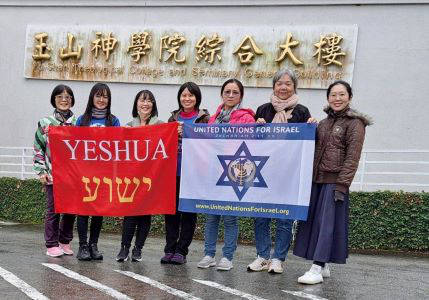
<point x="280" y="73"/>
<point x="237" y="82"/>
<point x="194" y="89"/>
<point x="146" y="95"/>
<point x="59" y="89"/>
<point x="345" y="84"/>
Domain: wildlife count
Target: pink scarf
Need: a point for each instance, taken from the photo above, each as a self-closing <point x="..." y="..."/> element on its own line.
<point x="283" y="108"/>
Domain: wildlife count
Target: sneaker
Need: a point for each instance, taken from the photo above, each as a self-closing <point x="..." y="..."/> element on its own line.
<point x="83" y="253"/>
<point x="54" y="252"/>
<point x="123" y="254"/>
<point x="66" y="249"/>
<point x="206" y="262"/>
<point x="276" y="266"/>
<point x="259" y="264"/>
<point x="136" y="254"/>
<point x="313" y="276"/>
<point x="166" y="259"/>
<point x="178" y="259"/>
<point x="224" y="264"/>
<point x="95" y="254"/>
<point x="326" y="272"/>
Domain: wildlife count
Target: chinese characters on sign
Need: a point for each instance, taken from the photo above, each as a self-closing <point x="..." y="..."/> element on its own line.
<point x="209" y="56"/>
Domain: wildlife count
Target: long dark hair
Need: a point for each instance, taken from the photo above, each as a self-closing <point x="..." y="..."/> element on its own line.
<point x="59" y="89"/>
<point x="98" y="88"/>
<point x="194" y="89"/>
<point x="146" y="95"/>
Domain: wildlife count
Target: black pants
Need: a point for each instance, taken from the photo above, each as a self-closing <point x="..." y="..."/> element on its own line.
<point x="129" y="227"/>
<point x="94" y="230"/>
<point x="179" y="228"/>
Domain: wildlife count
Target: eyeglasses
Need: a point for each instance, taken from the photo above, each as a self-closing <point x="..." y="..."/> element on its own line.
<point x="233" y="93"/>
<point x="61" y="97"/>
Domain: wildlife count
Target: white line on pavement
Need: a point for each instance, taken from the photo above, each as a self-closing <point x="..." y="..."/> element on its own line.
<point x="159" y="285"/>
<point x="304" y="295"/>
<point x="101" y="287"/>
<point x="23" y="286"/>
<point x="229" y="290"/>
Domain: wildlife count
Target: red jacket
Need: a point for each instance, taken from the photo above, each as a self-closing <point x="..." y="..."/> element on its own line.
<point x="242" y="115"/>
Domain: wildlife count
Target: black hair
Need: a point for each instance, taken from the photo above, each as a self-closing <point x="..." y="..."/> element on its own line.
<point x="345" y="84"/>
<point x="146" y="95"/>
<point x="59" y="89"/>
<point x="98" y="88"/>
<point x="194" y="89"/>
<point x="237" y="82"/>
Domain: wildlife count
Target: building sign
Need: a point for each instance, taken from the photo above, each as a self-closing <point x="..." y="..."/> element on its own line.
<point x="205" y="55"/>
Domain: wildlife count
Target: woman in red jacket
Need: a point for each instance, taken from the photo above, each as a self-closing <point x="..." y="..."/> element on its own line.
<point x="229" y="111"/>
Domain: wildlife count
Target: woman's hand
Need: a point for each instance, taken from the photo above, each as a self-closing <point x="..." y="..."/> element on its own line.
<point x="312" y="120"/>
<point x="45" y="178"/>
<point x="180" y="128"/>
<point x="260" y="121"/>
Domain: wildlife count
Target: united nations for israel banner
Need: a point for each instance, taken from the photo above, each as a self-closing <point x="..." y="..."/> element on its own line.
<point x="250" y="170"/>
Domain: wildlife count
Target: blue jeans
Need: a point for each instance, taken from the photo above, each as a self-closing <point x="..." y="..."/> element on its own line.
<point x="230" y="235"/>
<point x="263" y="238"/>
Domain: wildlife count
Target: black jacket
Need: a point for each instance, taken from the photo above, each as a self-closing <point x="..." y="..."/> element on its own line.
<point x="300" y="113"/>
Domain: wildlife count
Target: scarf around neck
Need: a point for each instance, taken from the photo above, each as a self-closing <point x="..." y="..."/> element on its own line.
<point x="99" y="113"/>
<point x="283" y="108"/>
<point x="225" y="115"/>
<point x="62" y="116"/>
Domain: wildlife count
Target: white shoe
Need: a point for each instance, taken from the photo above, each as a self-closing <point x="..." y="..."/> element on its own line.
<point x="224" y="264"/>
<point x="275" y="266"/>
<point x="326" y="272"/>
<point x="206" y="262"/>
<point x="313" y="276"/>
<point x="259" y="264"/>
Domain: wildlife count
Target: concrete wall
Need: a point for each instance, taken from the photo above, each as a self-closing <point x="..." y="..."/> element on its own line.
<point x="390" y="77"/>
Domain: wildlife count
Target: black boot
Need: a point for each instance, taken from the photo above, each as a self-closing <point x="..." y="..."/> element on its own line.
<point x="136" y="254"/>
<point x="123" y="254"/>
<point x="95" y="254"/>
<point x="83" y="253"/>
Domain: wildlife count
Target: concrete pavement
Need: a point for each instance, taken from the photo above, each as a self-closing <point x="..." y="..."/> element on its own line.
<point x="22" y="254"/>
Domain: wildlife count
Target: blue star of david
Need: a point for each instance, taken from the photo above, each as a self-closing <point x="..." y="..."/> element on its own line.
<point x="242" y="153"/>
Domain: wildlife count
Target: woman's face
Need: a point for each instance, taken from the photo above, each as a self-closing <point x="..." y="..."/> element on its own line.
<point x="284" y="87"/>
<point x="338" y="97"/>
<point x="187" y="100"/>
<point x="231" y="95"/>
<point x="144" y="105"/>
<point x="63" y="101"/>
<point x="101" y="100"/>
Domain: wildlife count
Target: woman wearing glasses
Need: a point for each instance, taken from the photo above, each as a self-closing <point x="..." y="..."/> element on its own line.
<point x="58" y="235"/>
<point x="231" y="112"/>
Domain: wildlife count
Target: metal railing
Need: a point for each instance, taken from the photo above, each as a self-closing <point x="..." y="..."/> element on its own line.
<point x="403" y="176"/>
<point x="378" y="169"/>
<point x="16" y="162"/>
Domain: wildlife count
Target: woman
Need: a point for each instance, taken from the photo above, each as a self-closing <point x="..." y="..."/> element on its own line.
<point x="180" y="227"/>
<point x="145" y="112"/>
<point x="58" y="235"/>
<point x="97" y="114"/>
<point x="282" y="108"/>
<point x="229" y="111"/>
<point x="323" y="237"/>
